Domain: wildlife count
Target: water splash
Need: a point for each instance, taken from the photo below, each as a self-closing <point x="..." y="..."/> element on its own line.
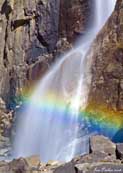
<point x="50" y="126"/>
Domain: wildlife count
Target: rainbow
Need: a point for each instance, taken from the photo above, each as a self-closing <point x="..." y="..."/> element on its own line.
<point x="100" y="120"/>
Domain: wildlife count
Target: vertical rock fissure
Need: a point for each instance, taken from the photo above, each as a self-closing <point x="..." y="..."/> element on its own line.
<point x="5" y="58"/>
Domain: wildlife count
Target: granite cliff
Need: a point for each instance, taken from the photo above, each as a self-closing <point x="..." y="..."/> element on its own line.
<point x="106" y="65"/>
<point x="32" y="34"/>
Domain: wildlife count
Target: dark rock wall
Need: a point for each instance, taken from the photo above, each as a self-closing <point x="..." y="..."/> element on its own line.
<point x="73" y="18"/>
<point x="107" y="64"/>
<point x="29" y="32"/>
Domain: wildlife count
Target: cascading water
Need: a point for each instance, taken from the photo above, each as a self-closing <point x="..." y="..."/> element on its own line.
<point x="103" y="10"/>
<point x="49" y="126"/>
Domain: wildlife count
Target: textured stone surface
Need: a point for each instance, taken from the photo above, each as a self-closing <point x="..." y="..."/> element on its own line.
<point x="69" y="167"/>
<point x="73" y="18"/>
<point x="107" y="64"/>
<point x="28" y="30"/>
<point x="30" y="39"/>
<point x="102" y="144"/>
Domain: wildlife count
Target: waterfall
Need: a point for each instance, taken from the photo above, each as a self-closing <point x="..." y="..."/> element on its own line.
<point x="102" y="11"/>
<point x="49" y="125"/>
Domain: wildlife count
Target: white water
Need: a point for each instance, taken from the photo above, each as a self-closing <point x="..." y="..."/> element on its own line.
<point x="50" y="132"/>
<point x="103" y="9"/>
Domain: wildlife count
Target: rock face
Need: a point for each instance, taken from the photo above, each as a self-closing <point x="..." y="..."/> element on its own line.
<point x="29" y="32"/>
<point x="107" y="64"/>
<point x="31" y="39"/>
<point x="105" y="100"/>
<point x="73" y="21"/>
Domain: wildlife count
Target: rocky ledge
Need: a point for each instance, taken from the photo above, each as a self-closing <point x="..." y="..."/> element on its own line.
<point x="105" y="156"/>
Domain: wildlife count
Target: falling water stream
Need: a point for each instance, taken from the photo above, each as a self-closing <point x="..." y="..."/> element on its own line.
<point x="49" y="125"/>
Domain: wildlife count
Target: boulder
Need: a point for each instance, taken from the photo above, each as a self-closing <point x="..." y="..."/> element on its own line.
<point x="101" y="144"/>
<point x="95" y="157"/>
